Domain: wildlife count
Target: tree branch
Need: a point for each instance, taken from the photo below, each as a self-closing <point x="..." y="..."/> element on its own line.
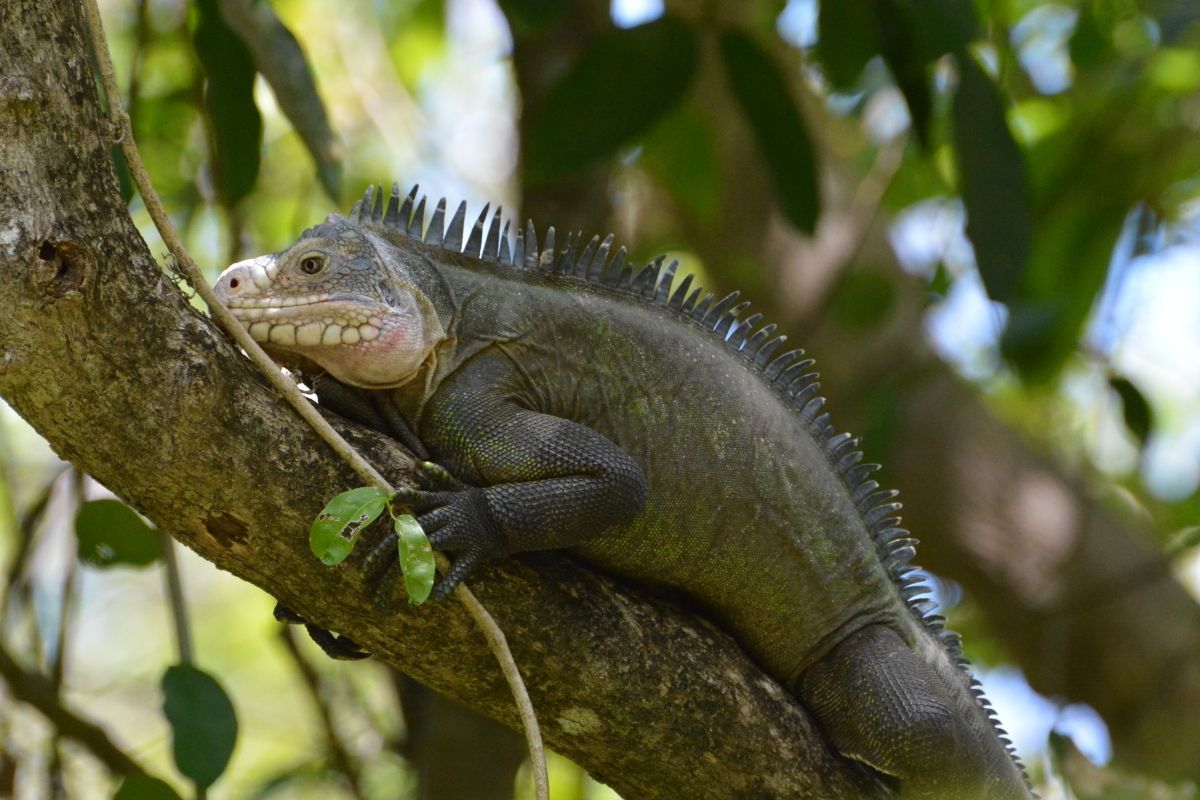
<point x="37" y="691"/>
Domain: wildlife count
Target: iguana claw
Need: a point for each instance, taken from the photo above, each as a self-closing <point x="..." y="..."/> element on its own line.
<point x="336" y="647"/>
<point x="435" y="476"/>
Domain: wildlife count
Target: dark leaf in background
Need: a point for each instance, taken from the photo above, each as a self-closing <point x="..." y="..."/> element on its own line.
<point x="762" y="92"/>
<point x="1029" y="334"/>
<point x="901" y="49"/>
<point x="111" y="533"/>
<point x="1091" y="44"/>
<point x="681" y="151"/>
<point x="622" y="85"/>
<point x="847" y="39"/>
<point x="234" y="120"/>
<point x="203" y="723"/>
<point x="992" y="182"/>
<point x="1139" y="419"/>
<point x="281" y="61"/>
<point x="944" y="26"/>
<point x="530" y="16"/>
<point x="144" y="787"/>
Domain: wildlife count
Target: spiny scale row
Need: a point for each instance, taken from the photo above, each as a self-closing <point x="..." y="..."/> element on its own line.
<point x="789" y="373"/>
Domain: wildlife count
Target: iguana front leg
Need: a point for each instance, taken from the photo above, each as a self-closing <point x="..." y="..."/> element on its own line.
<point x="532" y="481"/>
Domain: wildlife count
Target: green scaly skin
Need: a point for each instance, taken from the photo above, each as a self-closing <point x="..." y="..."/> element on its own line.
<point x="653" y="432"/>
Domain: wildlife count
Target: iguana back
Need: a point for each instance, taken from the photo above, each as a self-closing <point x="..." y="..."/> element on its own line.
<point x="660" y="433"/>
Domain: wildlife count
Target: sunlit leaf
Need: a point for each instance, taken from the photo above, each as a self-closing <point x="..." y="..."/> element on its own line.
<point x="992" y="182"/>
<point x="763" y="94"/>
<point x="416" y="558"/>
<point x="203" y="723"/>
<point x="111" y="533"/>
<point x="282" y="62"/>
<point x="623" y="83"/>
<point x="415" y="31"/>
<point x="336" y="529"/>
<point x="144" y="787"/>
<point x="1135" y="409"/>
<point x="234" y="120"/>
<point x="847" y="39"/>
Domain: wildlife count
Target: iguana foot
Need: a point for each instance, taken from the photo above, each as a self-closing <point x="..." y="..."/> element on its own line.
<point x="334" y="646"/>
<point x="457" y="520"/>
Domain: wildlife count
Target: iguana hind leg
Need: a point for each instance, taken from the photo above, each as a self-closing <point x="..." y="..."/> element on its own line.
<point x="881" y="703"/>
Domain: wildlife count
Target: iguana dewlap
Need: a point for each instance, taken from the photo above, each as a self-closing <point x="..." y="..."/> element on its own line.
<point x="658" y="432"/>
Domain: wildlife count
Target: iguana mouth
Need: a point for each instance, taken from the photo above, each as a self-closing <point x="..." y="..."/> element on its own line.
<point x="310" y="320"/>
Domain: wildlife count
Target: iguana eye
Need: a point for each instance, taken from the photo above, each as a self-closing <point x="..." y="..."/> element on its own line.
<point x="312" y="263"/>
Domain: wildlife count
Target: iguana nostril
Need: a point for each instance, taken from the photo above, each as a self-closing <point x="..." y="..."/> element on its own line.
<point x="233" y="283"/>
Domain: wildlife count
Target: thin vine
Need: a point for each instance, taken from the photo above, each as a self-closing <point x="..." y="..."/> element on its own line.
<point x="141" y="178"/>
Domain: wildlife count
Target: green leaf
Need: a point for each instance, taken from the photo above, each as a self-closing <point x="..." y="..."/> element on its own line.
<point x="762" y="92"/>
<point x="203" y="724"/>
<point x="1091" y="43"/>
<point x="681" y="152"/>
<point x="944" y="26"/>
<point x="234" y="121"/>
<point x="1139" y="418"/>
<point x="416" y="558"/>
<point x="528" y="17"/>
<point x="992" y="182"/>
<point x="144" y="787"/>
<point x="847" y="39"/>
<point x="626" y="81"/>
<point x="903" y="52"/>
<point x="124" y="178"/>
<point x="111" y="533"/>
<point x="336" y="529"/>
<point x="279" y="58"/>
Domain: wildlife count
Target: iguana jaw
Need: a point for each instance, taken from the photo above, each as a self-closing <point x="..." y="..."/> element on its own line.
<point x="361" y="340"/>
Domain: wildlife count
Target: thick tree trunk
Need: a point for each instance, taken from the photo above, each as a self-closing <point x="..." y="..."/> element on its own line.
<point x="104" y="356"/>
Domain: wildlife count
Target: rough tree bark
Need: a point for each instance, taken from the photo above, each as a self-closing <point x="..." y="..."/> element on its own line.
<point x="103" y="355"/>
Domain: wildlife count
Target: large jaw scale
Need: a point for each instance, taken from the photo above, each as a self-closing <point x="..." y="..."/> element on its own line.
<point x="360" y="340"/>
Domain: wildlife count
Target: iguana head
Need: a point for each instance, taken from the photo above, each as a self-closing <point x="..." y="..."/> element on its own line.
<point x="339" y="298"/>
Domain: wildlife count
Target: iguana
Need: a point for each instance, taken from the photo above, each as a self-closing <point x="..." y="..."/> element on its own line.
<point x="655" y="430"/>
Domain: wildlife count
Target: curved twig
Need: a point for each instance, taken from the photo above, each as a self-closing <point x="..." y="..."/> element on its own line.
<point x="222" y="316"/>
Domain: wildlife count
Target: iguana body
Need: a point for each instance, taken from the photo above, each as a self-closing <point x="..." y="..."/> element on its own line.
<point x="657" y="433"/>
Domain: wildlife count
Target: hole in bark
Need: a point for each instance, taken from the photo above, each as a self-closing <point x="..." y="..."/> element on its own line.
<point x="70" y="267"/>
<point x="227" y="528"/>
